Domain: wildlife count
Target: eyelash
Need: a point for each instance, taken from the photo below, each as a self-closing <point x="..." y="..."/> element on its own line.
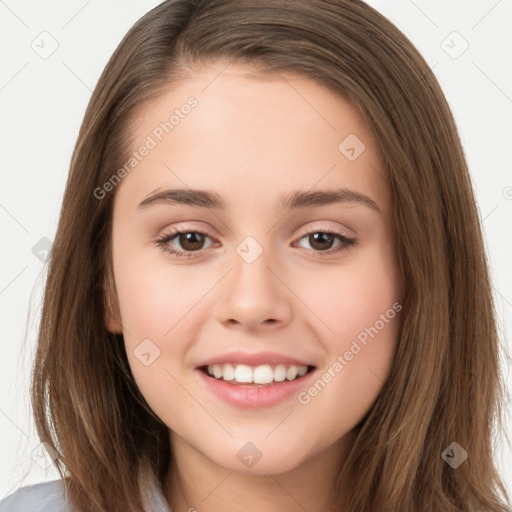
<point x="166" y="238"/>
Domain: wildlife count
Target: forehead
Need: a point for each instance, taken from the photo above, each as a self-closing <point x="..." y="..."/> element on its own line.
<point x="249" y="135"/>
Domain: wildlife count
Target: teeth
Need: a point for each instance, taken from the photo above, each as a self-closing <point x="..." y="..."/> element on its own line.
<point x="263" y="374"/>
<point x="292" y="372"/>
<point x="243" y="373"/>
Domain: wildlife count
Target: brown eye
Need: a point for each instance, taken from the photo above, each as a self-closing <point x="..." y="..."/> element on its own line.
<point x="188" y="242"/>
<point x="321" y="241"/>
<point x="191" y="241"/>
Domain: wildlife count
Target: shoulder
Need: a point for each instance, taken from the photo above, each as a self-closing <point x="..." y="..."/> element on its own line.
<point x="43" y="497"/>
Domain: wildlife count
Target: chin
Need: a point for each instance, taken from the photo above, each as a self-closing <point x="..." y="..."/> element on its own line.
<point x="274" y="464"/>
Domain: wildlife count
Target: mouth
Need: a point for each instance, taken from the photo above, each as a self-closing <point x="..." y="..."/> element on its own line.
<point x="255" y="387"/>
<point x="261" y="376"/>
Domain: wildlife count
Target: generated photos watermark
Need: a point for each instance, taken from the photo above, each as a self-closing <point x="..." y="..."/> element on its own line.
<point x="305" y="397"/>
<point x="152" y="140"/>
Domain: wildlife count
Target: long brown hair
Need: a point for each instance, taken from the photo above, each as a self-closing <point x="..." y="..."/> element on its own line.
<point x="445" y="385"/>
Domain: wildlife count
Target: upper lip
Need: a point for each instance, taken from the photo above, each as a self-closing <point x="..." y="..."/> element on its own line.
<point x="254" y="359"/>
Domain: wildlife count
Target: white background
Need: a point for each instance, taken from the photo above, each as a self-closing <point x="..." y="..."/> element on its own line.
<point x="42" y="103"/>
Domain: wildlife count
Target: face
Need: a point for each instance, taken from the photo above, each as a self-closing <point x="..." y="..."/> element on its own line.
<point x="263" y="282"/>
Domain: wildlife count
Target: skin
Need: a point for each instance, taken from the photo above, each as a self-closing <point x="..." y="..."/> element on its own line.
<point x="252" y="140"/>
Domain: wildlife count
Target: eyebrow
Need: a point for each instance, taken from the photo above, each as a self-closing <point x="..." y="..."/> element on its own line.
<point x="295" y="200"/>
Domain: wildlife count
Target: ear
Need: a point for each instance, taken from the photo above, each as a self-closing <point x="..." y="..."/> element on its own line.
<point x="111" y="313"/>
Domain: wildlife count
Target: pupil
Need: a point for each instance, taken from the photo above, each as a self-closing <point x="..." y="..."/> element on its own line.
<point x="323" y="238"/>
<point x="189" y="239"/>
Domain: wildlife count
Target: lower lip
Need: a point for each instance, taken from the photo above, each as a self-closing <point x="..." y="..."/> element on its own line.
<point x="250" y="397"/>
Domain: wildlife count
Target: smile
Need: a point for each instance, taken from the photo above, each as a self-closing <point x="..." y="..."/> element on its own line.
<point x="244" y="389"/>
<point x="264" y="374"/>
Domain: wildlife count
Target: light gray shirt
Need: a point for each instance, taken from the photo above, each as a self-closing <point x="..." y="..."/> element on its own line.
<point x="44" y="497"/>
<point x="50" y="497"/>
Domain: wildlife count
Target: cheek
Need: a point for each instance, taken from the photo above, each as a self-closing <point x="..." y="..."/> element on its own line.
<point x="363" y="315"/>
<point x="154" y="295"/>
<point x="156" y="303"/>
<point x="348" y="298"/>
<point x="157" y="308"/>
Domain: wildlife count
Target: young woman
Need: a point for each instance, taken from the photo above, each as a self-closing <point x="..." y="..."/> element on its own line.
<point x="268" y="289"/>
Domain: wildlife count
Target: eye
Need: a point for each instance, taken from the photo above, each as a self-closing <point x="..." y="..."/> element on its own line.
<point x="321" y="240"/>
<point x="192" y="241"/>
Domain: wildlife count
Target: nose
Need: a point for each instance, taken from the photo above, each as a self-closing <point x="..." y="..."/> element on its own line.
<point x="254" y="295"/>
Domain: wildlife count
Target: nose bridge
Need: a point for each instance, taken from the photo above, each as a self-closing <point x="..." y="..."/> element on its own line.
<point x="254" y="294"/>
<point x="251" y="274"/>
